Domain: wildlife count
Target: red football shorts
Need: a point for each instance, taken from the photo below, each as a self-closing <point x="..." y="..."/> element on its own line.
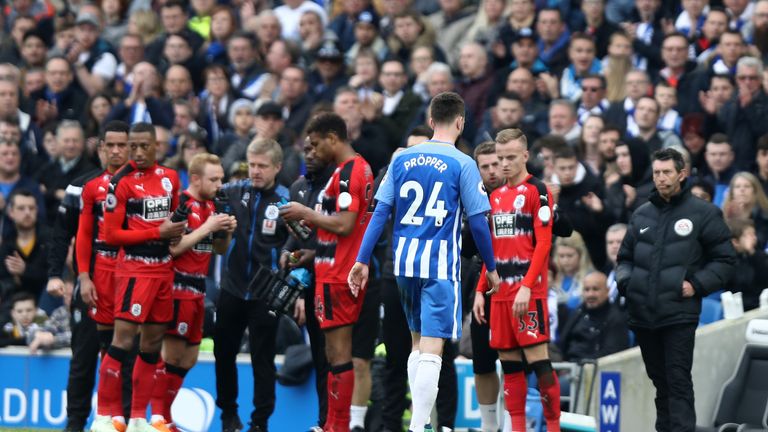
<point x="104" y="312"/>
<point x="144" y="299"/>
<point x="188" y="317"/>
<point x="508" y="332"/>
<point x="335" y="306"/>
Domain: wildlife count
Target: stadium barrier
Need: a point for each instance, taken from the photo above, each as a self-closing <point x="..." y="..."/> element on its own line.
<point x="33" y="394"/>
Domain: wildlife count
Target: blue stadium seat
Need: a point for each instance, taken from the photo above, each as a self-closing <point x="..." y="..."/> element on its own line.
<point x="711" y="311"/>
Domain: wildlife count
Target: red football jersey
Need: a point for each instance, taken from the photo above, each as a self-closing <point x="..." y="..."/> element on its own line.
<point x="91" y="239"/>
<point x="191" y="267"/>
<point x="349" y="189"/>
<point x="137" y="204"/>
<point x="521" y="240"/>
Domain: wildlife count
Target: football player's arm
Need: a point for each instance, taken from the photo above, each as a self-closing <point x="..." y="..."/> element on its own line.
<point x="385" y="198"/>
<point x="341" y="223"/>
<point x="543" y="236"/>
<point x="113" y="223"/>
<point x="478" y="224"/>
<point x="84" y="243"/>
<point x="475" y="201"/>
<point x="373" y="232"/>
<point x="189" y="240"/>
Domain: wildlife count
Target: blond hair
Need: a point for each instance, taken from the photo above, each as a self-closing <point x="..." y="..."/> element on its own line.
<point x="576" y="242"/>
<point x="269" y="147"/>
<point x="199" y="161"/>
<point x="512" y="134"/>
<point x="760" y="199"/>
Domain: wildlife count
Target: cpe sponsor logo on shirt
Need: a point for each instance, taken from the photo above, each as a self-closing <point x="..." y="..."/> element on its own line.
<point x="504" y="225"/>
<point x="156" y="208"/>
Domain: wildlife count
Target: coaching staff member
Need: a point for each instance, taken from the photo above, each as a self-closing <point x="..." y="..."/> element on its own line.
<point x="677" y="250"/>
<point x="257" y="241"/>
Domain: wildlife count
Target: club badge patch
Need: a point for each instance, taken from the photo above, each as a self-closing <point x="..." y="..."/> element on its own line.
<point x="272" y="212"/>
<point x="683" y="227"/>
<point x="167" y="185"/>
<point x="519" y="202"/>
<point x="182" y="328"/>
<point x="136" y="310"/>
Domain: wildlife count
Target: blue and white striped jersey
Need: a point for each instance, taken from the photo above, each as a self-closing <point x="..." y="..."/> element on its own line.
<point x="427" y="185"/>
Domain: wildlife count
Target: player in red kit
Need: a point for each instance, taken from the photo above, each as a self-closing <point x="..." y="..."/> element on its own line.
<point x="521" y="228"/>
<point x="95" y="259"/>
<point x="140" y="199"/>
<point x="93" y="254"/>
<point x="340" y="228"/>
<point x="191" y="257"/>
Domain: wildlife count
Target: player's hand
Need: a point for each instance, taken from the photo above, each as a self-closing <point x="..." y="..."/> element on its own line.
<point x="305" y="258"/>
<point x="88" y="290"/>
<point x="283" y="261"/>
<point x="217" y="222"/>
<point x="294" y="211"/>
<point x="231" y="225"/>
<point x="478" y="308"/>
<point x="688" y="290"/>
<point x="358" y="277"/>
<point x="523" y="297"/>
<point x="172" y="230"/>
<point x="493" y="282"/>
<point x="298" y="312"/>
<point x="55" y="287"/>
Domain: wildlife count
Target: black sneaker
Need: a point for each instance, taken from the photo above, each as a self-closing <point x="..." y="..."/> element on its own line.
<point x="257" y="429"/>
<point x="232" y="424"/>
<point x="73" y="428"/>
<point x="357" y="429"/>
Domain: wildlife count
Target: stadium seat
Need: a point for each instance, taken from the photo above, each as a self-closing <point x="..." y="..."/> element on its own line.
<point x="743" y="401"/>
<point x="711" y="311"/>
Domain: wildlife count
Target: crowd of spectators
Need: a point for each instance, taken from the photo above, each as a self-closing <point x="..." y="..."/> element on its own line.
<point x="596" y="85"/>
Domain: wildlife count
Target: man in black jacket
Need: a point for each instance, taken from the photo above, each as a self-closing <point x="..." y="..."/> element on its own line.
<point x="598" y="327"/>
<point x="298" y="253"/>
<point x="677" y="250"/>
<point x="72" y="162"/>
<point x="256" y="247"/>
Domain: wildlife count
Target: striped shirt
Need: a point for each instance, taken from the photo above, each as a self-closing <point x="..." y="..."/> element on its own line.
<point x="428" y="186"/>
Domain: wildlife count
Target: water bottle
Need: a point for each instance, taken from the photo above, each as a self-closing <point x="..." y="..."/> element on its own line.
<point x="301" y="231"/>
<point x="180" y="214"/>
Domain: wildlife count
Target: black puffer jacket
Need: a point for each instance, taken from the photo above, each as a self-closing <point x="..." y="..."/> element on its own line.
<point x="666" y="244"/>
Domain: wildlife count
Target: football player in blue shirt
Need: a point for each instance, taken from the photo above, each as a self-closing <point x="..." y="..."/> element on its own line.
<point x="425" y="189"/>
